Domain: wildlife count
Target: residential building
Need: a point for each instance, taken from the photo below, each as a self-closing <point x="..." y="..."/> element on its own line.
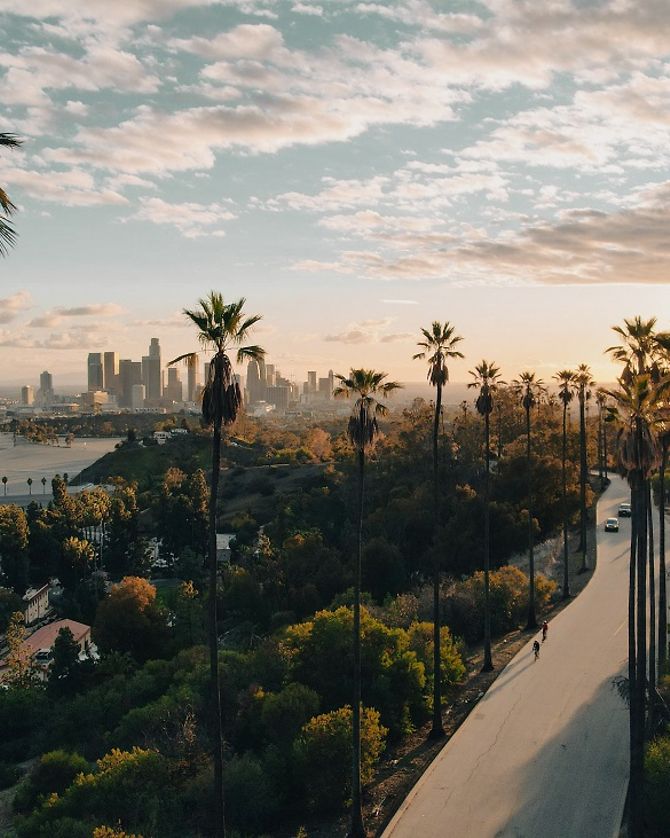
<point x="36" y="604"/>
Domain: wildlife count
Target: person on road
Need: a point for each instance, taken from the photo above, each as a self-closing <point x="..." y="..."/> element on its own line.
<point x="536" y="648"/>
<point x="545" y="629"/>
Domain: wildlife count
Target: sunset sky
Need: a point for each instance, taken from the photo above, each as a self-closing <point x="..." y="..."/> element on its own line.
<point x="355" y="170"/>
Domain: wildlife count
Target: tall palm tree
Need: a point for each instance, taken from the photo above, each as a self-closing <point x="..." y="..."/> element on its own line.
<point x="4" y="484"/>
<point x="639" y="345"/>
<point x="566" y="381"/>
<point x="222" y="327"/>
<point x="437" y="347"/>
<point x="529" y="389"/>
<point x="365" y="386"/>
<point x="487" y="379"/>
<point x="583" y="381"/>
<point x="635" y="405"/>
<point x="601" y="401"/>
<point x="7" y="232"/>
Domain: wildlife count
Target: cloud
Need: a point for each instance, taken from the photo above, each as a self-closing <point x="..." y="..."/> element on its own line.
<point x="72" y="339"/>
<point x="12" y="306"/>
<point x="71" y="188"/>
<point x="53" y="319"/>
<point x="401" y="302"/>
<point x="191" y="219"/>
<point x="368" y="331"/>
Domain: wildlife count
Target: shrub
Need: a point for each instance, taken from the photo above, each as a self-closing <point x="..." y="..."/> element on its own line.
<point x="323" y="755"/>
<point x="245" y="780"/>
<point x="284" y="713"/>
<point x="657" y="786"/>
<point x="9" y="775"/>
<point x="54" y="772"/>
<point x="421" y="643"/>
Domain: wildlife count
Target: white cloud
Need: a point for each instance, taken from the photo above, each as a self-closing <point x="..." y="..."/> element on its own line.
<point x="12" y="306"/>
<point x="368" y="331"/>
<point x="191" y="219"/>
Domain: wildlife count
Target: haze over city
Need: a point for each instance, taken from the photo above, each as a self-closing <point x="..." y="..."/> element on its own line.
<point x="354" y="170"/>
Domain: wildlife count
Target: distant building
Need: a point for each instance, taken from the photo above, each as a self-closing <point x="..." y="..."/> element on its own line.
<point x="270" y="379"/>
<point x="96" y="401"/>
<point x="36" y="604"/>
<point x="46" y="393"/>
<point x="110" y="366"/>
<point x="255" y="384"/>
<point x="192" y="382"/>
<point x="130" y="373"/>
<point x="96" y="375"/>
<point x="279" y="397"/>
<point x="40" y="644"/>
<point x="137" y="396"/>
<point x="27" y="396"/>
<point x="151" y="373"/>
<point x="223" y="540"/>
<point x="311" y="381"/>
<point x="174" y="391"/>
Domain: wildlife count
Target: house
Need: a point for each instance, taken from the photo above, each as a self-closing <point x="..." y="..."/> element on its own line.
<point x="36" y="604"/>
<point x="40" y="645"/>
<point x="223" y="540"/>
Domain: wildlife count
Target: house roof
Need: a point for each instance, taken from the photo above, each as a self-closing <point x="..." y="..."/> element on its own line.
<point x="32" y="593"/>
<point x="45" y="637"/>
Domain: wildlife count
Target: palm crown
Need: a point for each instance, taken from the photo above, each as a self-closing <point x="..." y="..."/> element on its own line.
<point x="487" y="378"/>
<point x="366" y="386"/>
<point x="528" y="388"/>
<point x="222" y="326"/>
<point x="438" y="346"/>
<point x="566" y="383"/>
<point x="7" y="233"/>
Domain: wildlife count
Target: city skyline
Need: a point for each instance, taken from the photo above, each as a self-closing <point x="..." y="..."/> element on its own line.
<point x="516" y="191"/>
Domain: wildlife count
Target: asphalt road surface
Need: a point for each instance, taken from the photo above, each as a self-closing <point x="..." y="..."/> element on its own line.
<point x="545" y="752"/>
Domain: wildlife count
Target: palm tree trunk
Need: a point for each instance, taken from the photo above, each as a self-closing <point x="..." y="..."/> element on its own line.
<point x="637" y="757"/>
<point x="488" y="661"/>
<point x="437" y="729"/>
<point x="662" y="597"/>
<point x="652" y="599"/>
<point x="216" y="720"/>
<point x="564" y="478"/>
<point x="634" y="789"/>
<point x="605" y="449"/>
<point x="583" y="473"/>
<point x="357" y="828"/>
<point x="532" y="619"/>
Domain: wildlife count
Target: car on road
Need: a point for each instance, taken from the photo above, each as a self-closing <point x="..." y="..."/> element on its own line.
<point x="612" y="525"/>
<point x="624" y="510"/>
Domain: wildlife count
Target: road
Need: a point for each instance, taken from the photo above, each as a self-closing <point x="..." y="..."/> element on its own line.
<point x="545" y="752"/>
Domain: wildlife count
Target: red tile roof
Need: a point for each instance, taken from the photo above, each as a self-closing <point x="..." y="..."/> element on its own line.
<point x="45" y="637"/>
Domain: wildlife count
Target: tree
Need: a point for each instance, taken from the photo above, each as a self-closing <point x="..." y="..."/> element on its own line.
<point x="29" y="481"/>
<point x="130" y="620"/>
<point x="438" y="345"/>
<point x="9" y="603"/>
<point x="487" y="379"/>
<point x="7" y="232"/>
<point x="65" y="661"/>
<point x="529" y="388"/>
<point x="566" y="381"/>
<point x="583" y="382"/>
<point x="20" y="672"/>
<point x="4" y="484"/>
<point x="43" y="481"/>
<point x="222" y="327"/>
<point x="14" y="535"/>
<point x="365" y="386"/>
<point x="78" y="561"/>
<point x="635" y="404"/>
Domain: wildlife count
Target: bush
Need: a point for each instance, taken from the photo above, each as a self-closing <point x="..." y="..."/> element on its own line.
<point x="421" y="643"/>
<point x="657" y="787"/>
<point x="323" y="756"/>
<point x="9" y="775"/>
<point x="245" y="780"/>
<point x="53" y="773"/>
<point x="285" y="713"/>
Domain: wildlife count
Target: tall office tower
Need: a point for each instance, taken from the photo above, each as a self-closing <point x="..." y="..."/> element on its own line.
<point x="325" y="389"/>
<point x="110" y="365"/>
<point x="331" y="382"/>
<point x="96" y="375"/>
<point x="27" y="395"/>
<point x="174" y="392"/>
<point x="270" y="375"/>
<point x="255" y="386"/>
<point x="46" y="388"/>
<point x="151" y="373"/>
<point x="137" y="396"/>
<point x="130" y="373"/>
<point x="311" y="381"/>
<point x="279" y="397"/>
<point x="192" y="379"/>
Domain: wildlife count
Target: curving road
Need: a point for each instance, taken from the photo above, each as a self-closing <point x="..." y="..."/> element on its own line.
<point x="545" y="752"/>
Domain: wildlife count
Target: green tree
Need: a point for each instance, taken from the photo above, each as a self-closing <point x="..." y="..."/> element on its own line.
<point x="583" y="383"/>
<point x="221" y="327"/>
<point x="9" y="603"/>
<point x="365" y="386"/>
<point x="78" y="561"/>
<point x="20" y="672"/>
<point x="7" y="232"/>
<point x="566" y="384"/>
<point x="437" y="347"/>
<point x="487" y="380"/>
<point x="14" y="534"/>
<point x="529" y="389"/>
<point x="65" y="663"/>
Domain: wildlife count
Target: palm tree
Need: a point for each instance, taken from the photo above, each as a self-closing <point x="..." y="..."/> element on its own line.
<point x="4" y="484"/>
<point x="222" y="327"/>
<point x="438" y="345"/>
<point x="664" y="438"/>
<point x="529" y="389"/>
<point x="583" y="382"/>
<point x="487" y="378"/>
<point x="566" y="381"/>
<point x="7" y="232"/>
<point x="601" y="401"/>
<point x="43" y="481"/>
<point x="365" y="386"/>
<point x="635" y="406"/>
<point x="29" y="481"/>
<point x="640" y="345"/>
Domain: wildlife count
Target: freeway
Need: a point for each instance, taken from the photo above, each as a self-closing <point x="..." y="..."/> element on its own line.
<point x="544" y="754"/>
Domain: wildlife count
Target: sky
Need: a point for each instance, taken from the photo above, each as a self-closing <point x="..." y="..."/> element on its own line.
<point x="354" y="170"/>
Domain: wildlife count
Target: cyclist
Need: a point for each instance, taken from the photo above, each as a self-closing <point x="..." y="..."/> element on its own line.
<point x="536" y="649"/>
<point x="545" y="629"/>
